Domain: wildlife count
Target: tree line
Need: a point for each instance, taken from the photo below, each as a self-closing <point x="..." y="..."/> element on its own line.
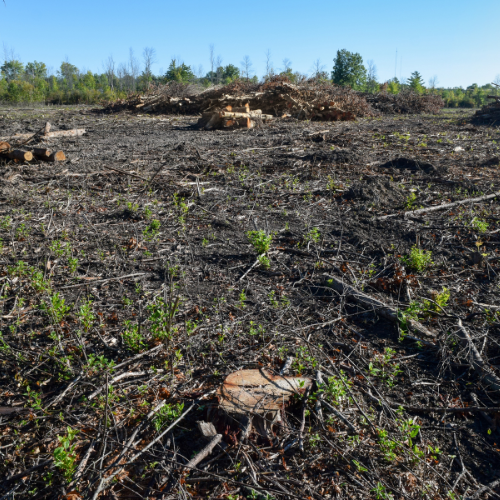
<point x="33" y="82"/>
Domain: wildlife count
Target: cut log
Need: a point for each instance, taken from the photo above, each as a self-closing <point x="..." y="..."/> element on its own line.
<point x="4" y="146"/>
<point x="245" y="122"/>
<point x="59" y="133"/>
<point x="258" y="392"/>
<point x="41" y="153"/>
<point x="46" y="129"/>
<point x="252" y="114"/>
<point x="57" y="156"/>
<point x="17" y="154"/>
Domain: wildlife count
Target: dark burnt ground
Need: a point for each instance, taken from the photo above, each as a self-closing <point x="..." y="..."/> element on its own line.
<point x="85" y="270"/>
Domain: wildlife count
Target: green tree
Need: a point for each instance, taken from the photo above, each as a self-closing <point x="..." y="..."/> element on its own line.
<point x="348" y="69"/>
<point x="69" y="74"/>
<point x="393" y="86"/>
<point x="416" y="82"/>
<point x="12" y="70"/>
<point x="230" y="73"/>
<point x="179" y="73"/>
<point x="36" y="70"/>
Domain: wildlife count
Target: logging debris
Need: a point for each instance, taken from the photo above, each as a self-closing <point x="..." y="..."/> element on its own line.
<point x="490" y="112"/>
<point x="308" y="100"/>
<point x="11" y="152"/>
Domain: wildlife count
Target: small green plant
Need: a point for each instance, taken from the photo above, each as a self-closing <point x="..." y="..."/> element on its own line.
<point x="73" y="264"/>
<point x="204" y="243"/>
<point x="35" y="398"/>
<point x="65" y="456"/>
<point x="56" y="308"/>
<point x="479" y="225"/>
<point x="146" y="212"/>
<point x="384" y="368"/>
<point x="152" y="230"/>
<point x="132" y="207"/>
<point x="410" y="201"/>
<point x="418" y="260"/>
<point x="260" y="241"/>
<point x="167" y="413"/>
<point x="99" y="363"/>
<point x="59" y="249"/>
<point x="191" y="326"/>
<point x="22" y="231"/>
<point x="381" y="493"/>
<point x="264" y="261"/>
<point x="131" y="336"/>
<point x="127" y="301"/>
<point x="86" y="315"/>
<point x="6" y="223"/>
<point x="241" y="300"/>
<point x="313" y="236"/>
<point x="161" y="316"/>
<point x="274" y="303"/>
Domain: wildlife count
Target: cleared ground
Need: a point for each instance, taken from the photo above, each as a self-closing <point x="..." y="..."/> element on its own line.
<point x="127" y="282"/>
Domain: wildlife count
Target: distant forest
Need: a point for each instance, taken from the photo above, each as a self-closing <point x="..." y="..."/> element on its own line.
<point x="33" y="82"/>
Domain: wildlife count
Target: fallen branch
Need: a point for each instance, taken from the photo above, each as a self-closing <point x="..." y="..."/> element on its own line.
<point x="442" y="207"/>
<point x="76" y="132"/>
<point x="475" y="359"/>
<point x="382" y="309"/>
<point x="205" y="452"/>
<point x="109" y="479"/>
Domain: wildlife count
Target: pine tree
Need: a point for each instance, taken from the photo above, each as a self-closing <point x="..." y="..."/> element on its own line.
<point x="416" y="82"/>
<point x="349" y="70"/>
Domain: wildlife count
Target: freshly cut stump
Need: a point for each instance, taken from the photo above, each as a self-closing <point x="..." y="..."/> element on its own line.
<point x="256" y="397"/>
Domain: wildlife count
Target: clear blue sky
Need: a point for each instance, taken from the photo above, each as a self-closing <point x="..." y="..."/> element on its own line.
<point x="455" y="40"/>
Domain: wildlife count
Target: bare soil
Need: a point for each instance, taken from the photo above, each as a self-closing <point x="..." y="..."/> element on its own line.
<point x="105" y="314"/>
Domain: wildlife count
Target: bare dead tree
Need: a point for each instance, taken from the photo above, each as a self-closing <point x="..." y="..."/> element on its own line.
<point x="133" y="66"/>
<point x="109" y="69"/>
<point x="246" y="68"/>
<point x="269" y="65"/>
<point x="149" y="58"/>
<point x="219" y="70"/>
<point x="199" y="72"/>
<point x="433" y="82"/>
<point x="287" y="65"/>
<point x="318" y="71"/>
<point x="212" y="62"/>
<point x="123" y="76"/>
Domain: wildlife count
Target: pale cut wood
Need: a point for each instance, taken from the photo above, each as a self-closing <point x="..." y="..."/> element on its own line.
<point x="258" y="391"/>
<point x="237" y="123"/>
<point x="57" y="156"/>
<point x="17" y="154"/>
<point x="46" y="129"/>
<point x="252" y="114"/>
<point x="4" y="146"/>
<point x="76" y="132"/>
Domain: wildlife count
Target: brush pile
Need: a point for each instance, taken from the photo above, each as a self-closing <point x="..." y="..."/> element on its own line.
<point x="308" y="100"/>
<point x="406" y="102"/>
<point x="490" y="112"/>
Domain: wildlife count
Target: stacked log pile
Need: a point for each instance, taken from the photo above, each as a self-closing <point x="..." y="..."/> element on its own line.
<point x="232" y="118"/>
<point x="490" y="112"/>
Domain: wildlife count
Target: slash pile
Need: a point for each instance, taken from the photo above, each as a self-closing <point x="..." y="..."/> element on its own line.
<point x="307" y="100"/>
<point x="490" y="112"/>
